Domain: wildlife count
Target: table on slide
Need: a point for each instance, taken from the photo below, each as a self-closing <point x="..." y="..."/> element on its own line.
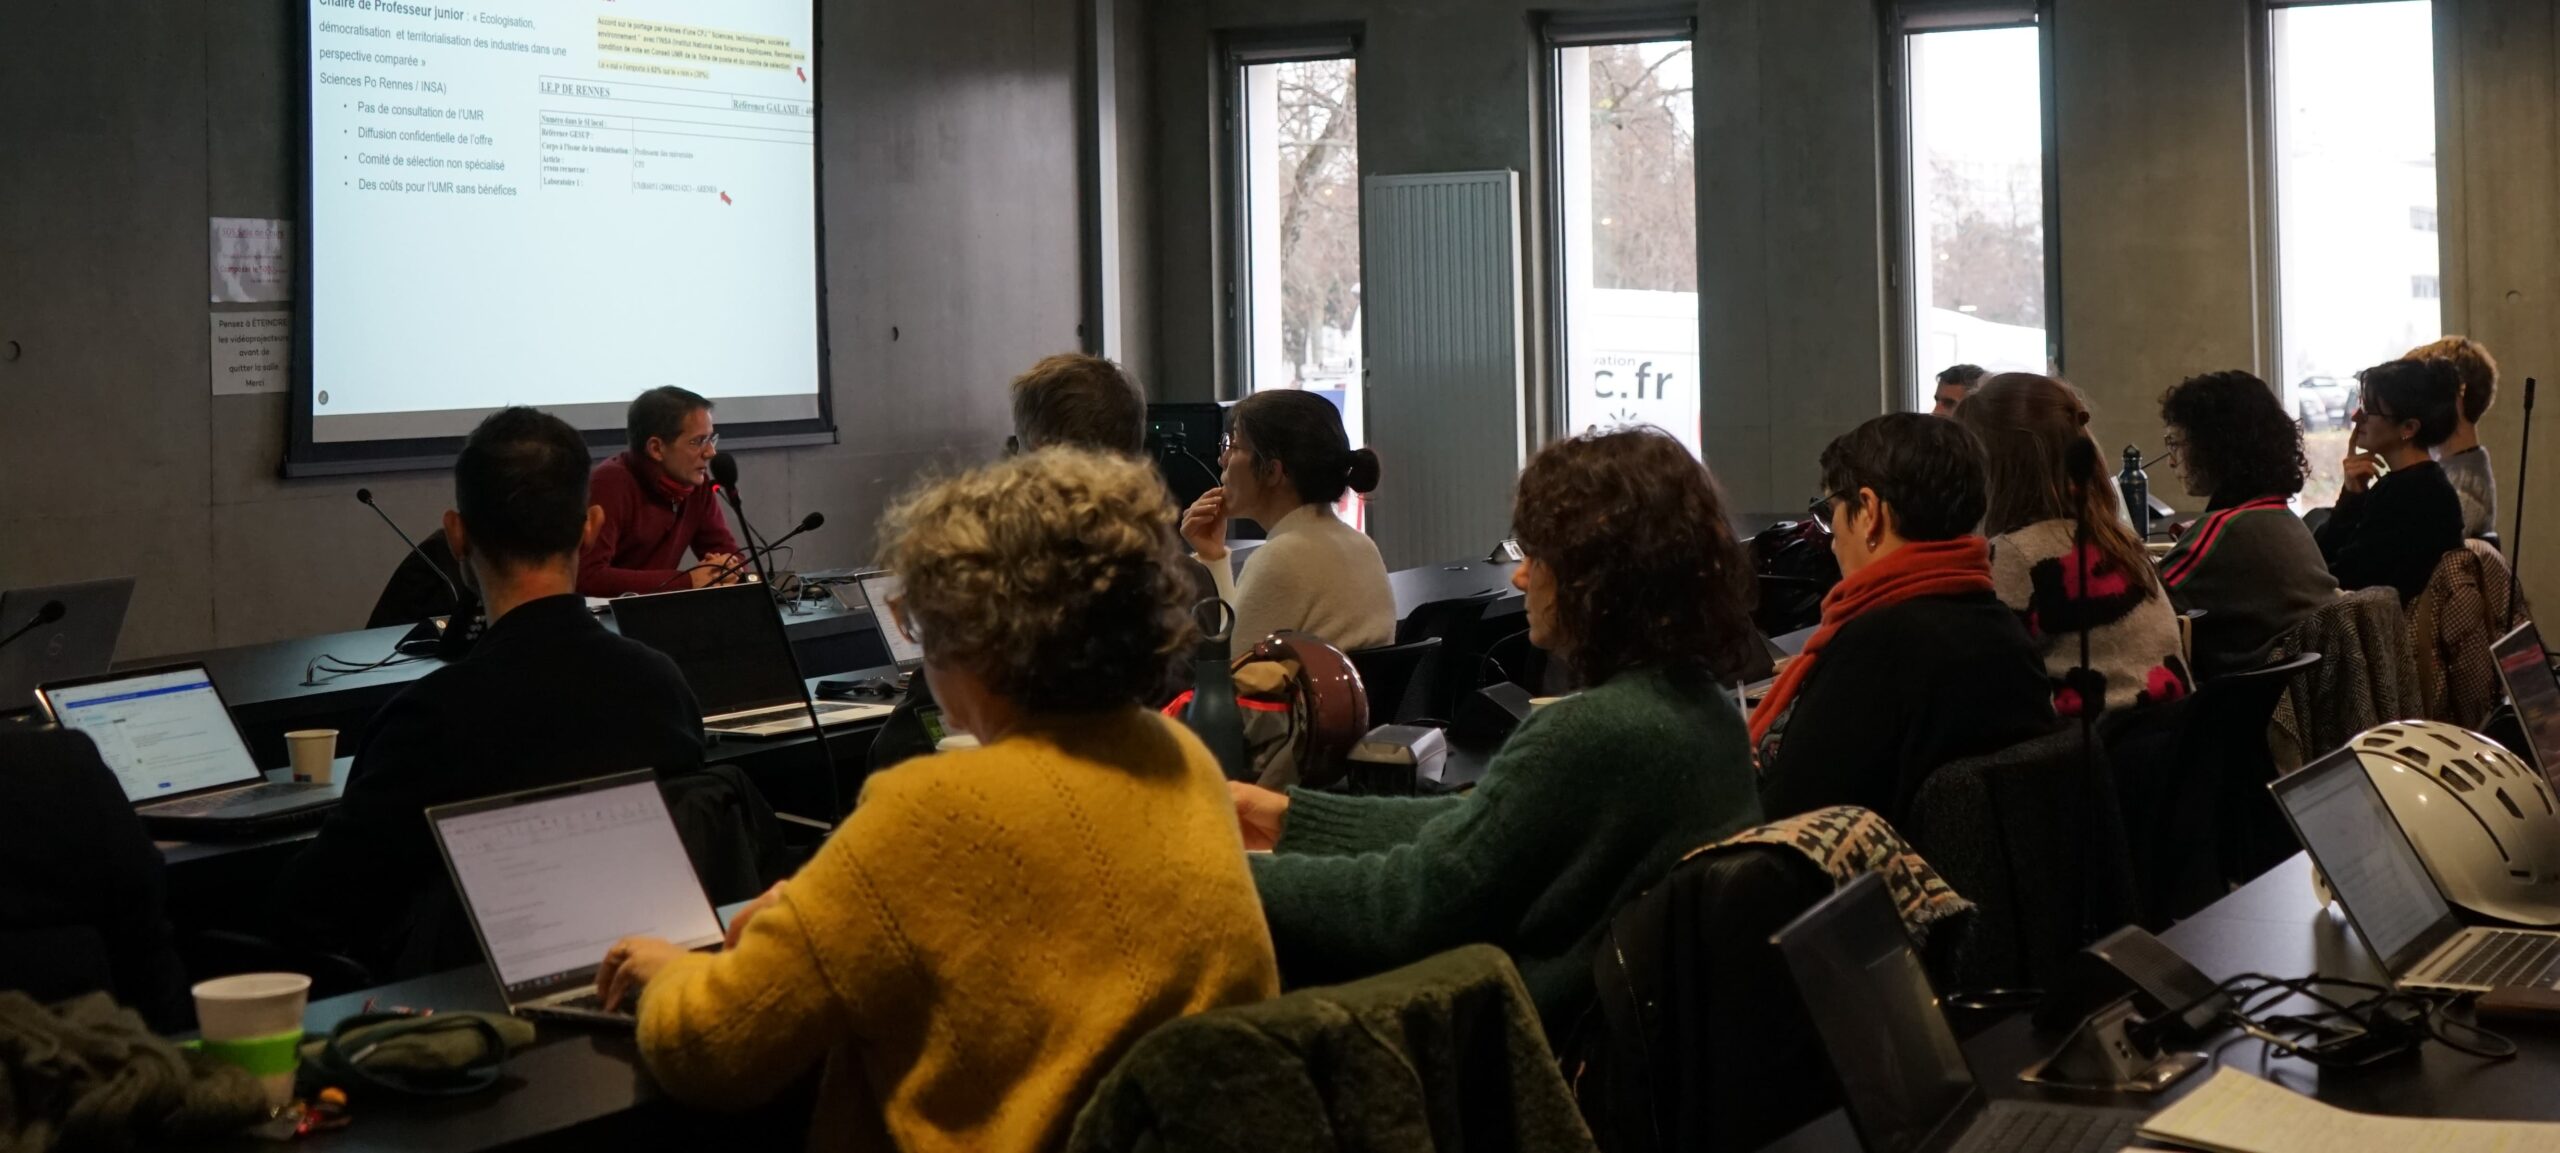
<point x="2276" y="927"/>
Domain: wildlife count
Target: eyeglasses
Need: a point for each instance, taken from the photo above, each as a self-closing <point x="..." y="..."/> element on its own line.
<point x="1820" y="510"/>
<point x="906" y="624"/>
<point x="698" y="443"/>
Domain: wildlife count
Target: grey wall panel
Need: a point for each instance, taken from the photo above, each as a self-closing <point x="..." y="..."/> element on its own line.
<point x="1441" y="292"/>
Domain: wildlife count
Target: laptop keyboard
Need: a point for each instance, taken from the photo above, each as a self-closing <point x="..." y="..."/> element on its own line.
<point x="2016" y="1127"/>
<point x="2503" y="959"/>
<point x="212" y="803"/>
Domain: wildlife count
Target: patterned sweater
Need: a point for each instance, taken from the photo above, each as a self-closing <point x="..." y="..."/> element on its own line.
<point x="2132" y="631"/>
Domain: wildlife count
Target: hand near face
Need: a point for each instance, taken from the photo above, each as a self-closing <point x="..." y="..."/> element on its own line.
<point x="1204" y="525"/>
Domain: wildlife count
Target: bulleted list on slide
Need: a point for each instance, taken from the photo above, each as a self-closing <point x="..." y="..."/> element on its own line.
<point x="560" y="201"/>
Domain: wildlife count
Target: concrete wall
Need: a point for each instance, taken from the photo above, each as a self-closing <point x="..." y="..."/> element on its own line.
<point x="953" y="258"/>
<point x="2159" y="237"/>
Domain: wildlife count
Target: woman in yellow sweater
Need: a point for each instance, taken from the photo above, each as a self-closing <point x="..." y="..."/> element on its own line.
<point x="990" y="929"/>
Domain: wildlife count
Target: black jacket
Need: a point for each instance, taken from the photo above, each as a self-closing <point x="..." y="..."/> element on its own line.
<point x="1899" y="691"/>
<point x="547" y="696"/>
<point x="80" y="883"/>
<point x="2395" y="532"/>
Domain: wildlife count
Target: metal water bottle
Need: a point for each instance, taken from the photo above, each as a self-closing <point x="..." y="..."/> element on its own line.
<point x="1213" y="715"/>
<point x="2135" y="486"/>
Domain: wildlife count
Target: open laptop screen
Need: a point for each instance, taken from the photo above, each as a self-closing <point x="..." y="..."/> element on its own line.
<point x="1901" y="1071"/>
<point x="728" y="641"/>
<point x="877" y="589"/>
<point x="164" y="733"/>
<point x="556" y="879"/>
<point x="2527" y="671"/>
<point x="2360" y="847"/>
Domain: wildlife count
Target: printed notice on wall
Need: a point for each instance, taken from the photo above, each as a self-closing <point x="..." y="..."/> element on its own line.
<point x="252" y="352"/>
<point x="252" y="260"/>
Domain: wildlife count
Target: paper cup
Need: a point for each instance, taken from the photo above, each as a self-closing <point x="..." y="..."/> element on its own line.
<point x="254" y="1021"/>
<point x="314" y="752"/>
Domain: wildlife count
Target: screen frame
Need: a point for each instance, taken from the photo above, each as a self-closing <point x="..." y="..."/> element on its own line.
<point x="665" y="606"/>
<point x="307" y="457"/>
<point x="2446" y="926"/>
<point x="53" y="714"/>
<point x="2525" y="635"/>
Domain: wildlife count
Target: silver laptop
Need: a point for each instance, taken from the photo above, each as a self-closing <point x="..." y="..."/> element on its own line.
<point x="2526" y="669"/>
<point x="2394" y="905"/>
<point x="78" y="642"/>
<point x="730" y="643"/>
<point x="878" y="588"/>
<point x="1903" y="1077"/>
<point x="552" y="877"/>
<point x="170" y="740"/>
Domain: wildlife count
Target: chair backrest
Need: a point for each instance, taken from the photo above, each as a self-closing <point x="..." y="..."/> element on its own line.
<point x="417" y="588"/>
<point x="2466" y="607"/>
<point x="2226" y="744"/>
<point x="2033" y="836"/>
<point x="1397" y="675"/>
<point x="1699" y="1041"/>
<point x="1454" y="624"/>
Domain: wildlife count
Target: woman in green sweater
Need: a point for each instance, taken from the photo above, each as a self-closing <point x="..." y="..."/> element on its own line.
<point x="1634" y="580"/>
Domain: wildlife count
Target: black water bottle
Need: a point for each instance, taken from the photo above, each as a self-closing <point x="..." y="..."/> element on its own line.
<point x="1213" y="715"/>
<point x="2136" y="488"/>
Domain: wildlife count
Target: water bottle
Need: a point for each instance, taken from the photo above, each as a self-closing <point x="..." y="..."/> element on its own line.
<point x="2136" y="489"/>
<point x="1213" y="715"/>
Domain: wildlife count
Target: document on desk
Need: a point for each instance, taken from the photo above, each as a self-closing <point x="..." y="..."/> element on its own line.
<point x="2237" y="1113"/>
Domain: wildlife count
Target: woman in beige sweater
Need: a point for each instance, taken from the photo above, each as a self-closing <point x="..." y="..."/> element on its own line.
<point x="1285" y="463"/>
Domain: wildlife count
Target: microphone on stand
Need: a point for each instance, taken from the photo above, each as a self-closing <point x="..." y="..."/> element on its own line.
<point x="724" y="480"/>
<point x="46" y="613"/>
<point x="748" y="557"/>
<point x="436" y="635"/>
<point x="2515" y="546"/>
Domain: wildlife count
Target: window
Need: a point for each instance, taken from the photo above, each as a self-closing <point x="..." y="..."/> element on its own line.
<point x="2354" y="143"/>
<point x="1976" y="290"/>
<point x="1297" y="288"/>
<point x="1627" y="194"/>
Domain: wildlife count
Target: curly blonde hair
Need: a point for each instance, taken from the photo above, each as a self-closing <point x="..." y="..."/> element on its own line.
<point x="1056" y="575"/>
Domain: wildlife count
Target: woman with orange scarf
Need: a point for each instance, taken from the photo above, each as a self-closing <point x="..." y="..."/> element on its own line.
<point x="1916" y="662"/>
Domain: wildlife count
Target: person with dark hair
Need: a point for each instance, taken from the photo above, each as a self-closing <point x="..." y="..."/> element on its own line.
<point x="1916" y="662"/>
<point x="2465" y="462"/>
<point x="546" y="696"/>
<point x="1285" y="463"/>
<point x="81" y="886"/>
<point x="2248" y="564"/>
<point x="658" y="501"/>
<point x="2392" y="532"/>
<point x="2062" y="556"/>
<point x="1954" y="385"/>
<point x="1633" y="579"/>
<point x="1080" y="401"/>
<point x="992" y="928"/>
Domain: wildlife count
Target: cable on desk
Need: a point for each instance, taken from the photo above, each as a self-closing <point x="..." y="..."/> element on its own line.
<point x="313" y="672"/>
<point x="2384" y="1024"/>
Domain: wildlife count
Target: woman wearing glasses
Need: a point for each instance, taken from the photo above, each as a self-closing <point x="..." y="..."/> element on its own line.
<point x="1286" y="462"/>
<point x="1916" y="662"/>
<point x="2390" y="529"/>
<point x="2249" y="564"/>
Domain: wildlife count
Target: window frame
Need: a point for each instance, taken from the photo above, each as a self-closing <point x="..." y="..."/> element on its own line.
<point x="1556" y="33"/>
<point x="2452" y="313"/>
<point x="1237" y="51"/>
<point x="1902" y="21"/>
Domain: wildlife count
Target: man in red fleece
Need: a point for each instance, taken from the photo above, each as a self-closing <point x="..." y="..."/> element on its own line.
<point x="657" y="502"/>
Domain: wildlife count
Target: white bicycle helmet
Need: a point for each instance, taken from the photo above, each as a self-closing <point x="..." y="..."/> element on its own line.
<point x="2481" y="818"/>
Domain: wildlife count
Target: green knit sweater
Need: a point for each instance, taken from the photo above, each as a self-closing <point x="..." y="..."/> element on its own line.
<point x="1588" y="804"/>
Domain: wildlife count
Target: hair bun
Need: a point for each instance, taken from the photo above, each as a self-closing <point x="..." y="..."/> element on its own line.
<point x="1362" y="473"/>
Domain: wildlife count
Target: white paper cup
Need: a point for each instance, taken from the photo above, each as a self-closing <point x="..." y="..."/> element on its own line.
<point x="314" y="752"/>
<point x="255" y="1019"/>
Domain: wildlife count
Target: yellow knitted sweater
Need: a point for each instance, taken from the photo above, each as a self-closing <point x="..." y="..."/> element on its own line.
<point x="979" y="942"/>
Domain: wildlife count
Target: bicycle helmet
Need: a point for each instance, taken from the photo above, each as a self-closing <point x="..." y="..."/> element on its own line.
<point x="2480" y="817"/>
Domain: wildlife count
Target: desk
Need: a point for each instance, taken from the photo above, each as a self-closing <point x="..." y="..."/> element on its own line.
<point x="573" y="1088"/>
<point x="264" y="686"/>
<point x="2272" y="926"/>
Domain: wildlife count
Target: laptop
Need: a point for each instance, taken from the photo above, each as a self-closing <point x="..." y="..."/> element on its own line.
<point x="2526" y="669"/>
<point x="2390" y="899"/>
<point x="77" y="644"/>
<point x="1902" y="1075"/>
<point x="730" y="643"/>
<point x="552" y="877"/>
<point x="170" y="740"/>
<point x="878" y="588"/>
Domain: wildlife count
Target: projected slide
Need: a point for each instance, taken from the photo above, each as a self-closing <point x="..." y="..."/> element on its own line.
<point x="559" y="203"/>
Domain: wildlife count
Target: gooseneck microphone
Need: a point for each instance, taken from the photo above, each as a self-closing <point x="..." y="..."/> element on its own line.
<point x="807" y="523"/>
<point x="365" y="496"/>
<point x="724" y="480"/>
<point x="46" y="613"/>
<point x="2515" y="545"/>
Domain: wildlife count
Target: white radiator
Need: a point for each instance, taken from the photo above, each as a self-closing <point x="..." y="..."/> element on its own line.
<point x="1447" y="370"/>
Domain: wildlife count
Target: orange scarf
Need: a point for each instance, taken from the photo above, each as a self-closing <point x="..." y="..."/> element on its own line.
<point x="1938" y="568"/>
